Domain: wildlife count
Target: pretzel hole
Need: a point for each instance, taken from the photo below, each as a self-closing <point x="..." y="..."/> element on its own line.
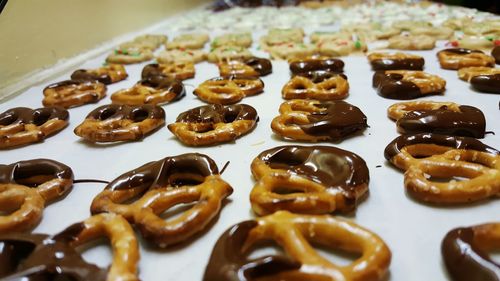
<point x="139" y="115"/>
<point x="107" y="113"/>
<point x="444" y="179"/>
<point x="230" y="117"/>
<point x="420" y="151"/>
<point x="283" y="190"/>
<point x="177" y="211"/>
<point x="202" y="127"/>
<point x="97" y="252"/>
<point x="265" y="248"/>
<point x="177" y="179"/>
<point x="335" y="255"/>
<point x="448" y="174"/>
<point x="299" y="86"/>
<point x="40" y="117"/>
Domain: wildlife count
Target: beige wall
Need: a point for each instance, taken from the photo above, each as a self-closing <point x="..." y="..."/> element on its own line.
<point x="37" y="33"/>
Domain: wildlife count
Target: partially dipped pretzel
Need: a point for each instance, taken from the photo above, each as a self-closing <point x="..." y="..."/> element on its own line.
<point x="151" y="90"/>
<point x="72" y="93"/>
<point x="228" y="90"/>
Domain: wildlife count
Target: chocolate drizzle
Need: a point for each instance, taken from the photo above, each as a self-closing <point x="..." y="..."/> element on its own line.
<point x="486" y="83"/>
<point x="398" y="64"/>
<point x="260" y="65"/>
<point x="165" y="172"/>
<point x="496" y="54"/>
<point x="469" y="122"/>
<point x="337" y="119"/>
<point x="216" y="113"/>
<point x="329" y="166"/>
<point x="34" y="172"/>
<point x="453" y="142"/>
<point x="391" y="86"/>
<point x="164" y="83"/>
<point x="24" y="115"/>
<point x="120" y="112"/>
<point x="313" y="65"/>
<point x="229" y="263"/>
<point x="464" y="258"/>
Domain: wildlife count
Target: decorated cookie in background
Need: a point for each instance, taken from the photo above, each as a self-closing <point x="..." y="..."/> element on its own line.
<point x="495" y="53"/>
<point x="407" y="25"/>
<point x="457" y="23"/>
<point x="289" y="51"/>
<point x="483" y="79"/>
<point x="281" y="36"/>
<point x="178" y="55"/>
<point x="188" y="41"/>
<point x="227" y="53"/>
<point x="439" y="33"/>
<point x="412" y="42"/>
<point x="474" y="42"/>
<point x="341" y="47"/>
<point x="395" y="61"/>
<point x="241" y="39"/>
<point x="370" y="31"/>
<point x="407" y="84"/>
<point x="130" y="55"/>
<point x="489" y="27"/>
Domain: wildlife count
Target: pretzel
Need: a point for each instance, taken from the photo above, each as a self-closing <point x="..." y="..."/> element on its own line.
<point x="316" y="64"/>
<point x="317" y="85"/>
<point x="177" y="70"/>
<point x="457" y="58"/>
<point x="395" y="61"/>
<point x="341" y="47"/>
<point x="313" y="120"/>
<point x="151" y="90"/>
<point x="228" y="53"/>
<point x="130" y="55"/>
<point x="22" y="126"/>
<point x="473" y="42"/>
<point x="308" y="180"/>
<point x="406" y="84"/>
<point x="483" y="79"/>
<point x="228" y="90"/>
<point x="213" y="124"/>
<point x="108" y="74"/>
<point x="465" y="252"/>
<point x="445" y="118"/>
<point x="73" y="93"/>
<point x="112" y="122"/>
<point x="242" y="39"/>
<point x="177" y="55"/>
<point x="161" y="185"/>
<point x="412" y="42"/>
<point x="428" y="156"/>
<point x="248" y="67"/>
<point x="43" y="257"/>
<point x="296" y="234"/>
<point x="188" y="41"/>
<point x="26" y="187"/>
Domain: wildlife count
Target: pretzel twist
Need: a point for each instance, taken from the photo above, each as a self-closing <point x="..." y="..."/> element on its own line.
<point x="209" y="192"/>
<point x="426" y="82"/>
<point x="228" y="90"/>
<point x="398" y="110"/>
<point x="424" y="161"/>
<point x="467" y="73"/>
<point x="73" y="93"/>
<point x="464" y="58"/>
<point x="151" y="90"/>
<point x="295" y="233"/>
<point x="335" y="87"/>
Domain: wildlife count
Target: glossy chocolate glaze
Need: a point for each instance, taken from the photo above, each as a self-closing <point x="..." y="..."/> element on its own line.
<point x="398" y="64"/>
<point x="398" y="143"/>
<point x="38" y="257"/>
<point x="24" y="115"/>
<point x="337" y="120"/>
<point x="486" y="83"/>
<point x="65" y="83"/>
<point x="262" y="66"/>
<point x="312" y="65"/>
<point x="85" y="75"/>
<point x="469" y="122"/>
<point x="164" y="83"/>
<point x="229" y="263"/>
<point x="136" y="113"/>
<point x="496" y="54"/>
<point x="465" y="260"/>
<point x="329" y="166"/>
<point x="319" y="76"/>
<point x="221" y="5"/>
<point x="459" y="51"/>
<point x="392" y="87"/>
<point x="22" y="171"/>
<point x="163" y="173"/>
<point x="151" y="70"/>
<point x="216" y="113"/>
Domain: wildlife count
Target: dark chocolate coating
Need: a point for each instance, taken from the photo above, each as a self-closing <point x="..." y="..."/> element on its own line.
<point x="496" y="54"/>
<point x="261" y="65"/>
<point x="216" y="113"/>
<point x="390" y="85"/>
<point x="151" y="70"/>
<point x="312" y="65"/>
<point x="459" y="51"/>
<point x="221" y="5"/>
<point x="329" y="166"/>
<point x="19" y="172"/>
<point x="229" y="263"/>
<point x="66" y="83"/>
<point x="136" y="113"/>
<point x="486" y="83"/>
<point x="394" y="148"/>
<point x="85" y="75"/>
<point x="469" y="122"/>
<point x="164" y="83"/>
<point x="24" y="115"/>
<point x="38" y="257"/>
<point x="398" y="64"/>
<point x="465" y="260"/>
<point x="319" y="76"/>
<point x="163" y="173"/>
<point x="339" y="120"/>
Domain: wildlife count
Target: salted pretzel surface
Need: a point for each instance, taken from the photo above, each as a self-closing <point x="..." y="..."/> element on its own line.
<point x="26" y="187"/>
<point x="22" y="126"/>
<point x="107" y="74"/>
<point x="72" y="93"/>
<point x="316" y="85"/>
<point x="228" y="90"/>
<point x="178" y="70"/>
<point x="151" y="90"/>
<point x="213" y="124"/>
<point x="470" y="169"/>
<point x="161" y="185"/>
<point x="457" y="58"/>
<point x="297" y="234"/>
<point x="57" y="258"/>
<point x="113" y="122"/>
<point x="309" y="180"/>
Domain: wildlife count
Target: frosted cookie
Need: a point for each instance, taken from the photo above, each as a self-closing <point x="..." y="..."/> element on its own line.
<point x="456" y="23"/>
<point x="242" y="39"/>
<point x="412" y="42"/>
<point x="291" y="51"/>
<point x="406" y="25"/>
<point x="484" y="28"/>
<point x="188" y="41"/>
<point x="439" y="33"/>
<point x="474" y="42"/>
<point x="130" y="56"/>
<point x="341" y="47"/>
<point x="177" y="55"/>
<point x="227" y="53"/>
<point x="278" y="37"/>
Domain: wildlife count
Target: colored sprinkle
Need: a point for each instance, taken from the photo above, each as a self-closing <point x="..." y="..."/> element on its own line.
<point x="357" y="45"/>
